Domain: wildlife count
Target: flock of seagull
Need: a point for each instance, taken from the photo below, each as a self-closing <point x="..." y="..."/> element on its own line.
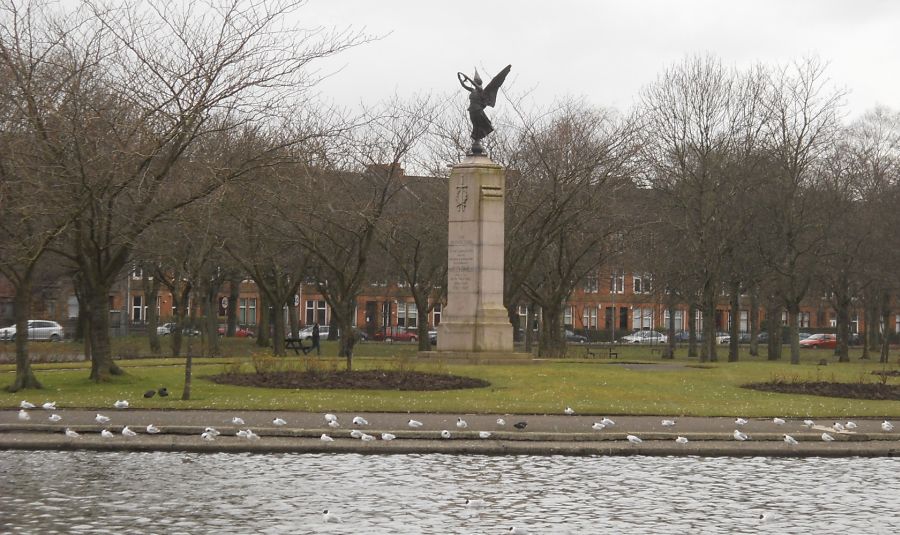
<point x="332" y="421"/>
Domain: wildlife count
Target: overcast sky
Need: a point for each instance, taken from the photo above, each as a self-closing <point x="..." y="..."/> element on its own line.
<point x="604" y="51"/>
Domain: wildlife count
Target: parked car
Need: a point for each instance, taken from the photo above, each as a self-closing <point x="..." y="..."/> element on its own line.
<point x="168" y="328"/>
<point x="573" y="338"/>
<point x="644" y="337"/>
<point x="432" y="337"/>
<point x="306" y="332"/>
<point x="37" y="330"/>
<point x="396" y="334"/>
<point x="239" y="332"/>
<point x="820" y="341"/>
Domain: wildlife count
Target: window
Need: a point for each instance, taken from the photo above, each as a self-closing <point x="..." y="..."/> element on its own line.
<point x="436" y="315"/>
<point x="407" y="315"/>
<point x="803" y="320"/>
<point x="247" y="311"/>
<point x="316" y="312"/>
<point x="617" y="282"/>
<point x="698" y="321"/>
<point x="567" y="316"/>
<point x="642" y="318"/>
<point x="72" y="303"/>
<point x="136" y="308"/>
<point x="589" y="317"/>
<point x="679" y="320"/>
<point x="137" y="273"/>
<point x="854" y="324"/>
<point x="642" y="283"/>
<point x="591" y="284"/>
<point x="897" y="323"/>
<point x="745" y="322"/>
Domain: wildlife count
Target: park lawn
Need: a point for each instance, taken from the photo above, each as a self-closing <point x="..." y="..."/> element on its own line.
<point x="600" y="387"/>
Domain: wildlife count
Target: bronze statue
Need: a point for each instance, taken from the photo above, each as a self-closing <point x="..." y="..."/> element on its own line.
<point x="479" y="99"/>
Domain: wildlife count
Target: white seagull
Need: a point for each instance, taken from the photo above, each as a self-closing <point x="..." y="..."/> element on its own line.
<point x="740" y="421"/>
<point x="501" y="421"/>
<point x="152" y="429"/>
<point x="681" y="440"/>
<point x="445" y="434"/>
<point x="206" y="435"/>
<point x="569" y="411"/>
<point x="827" y="438"/>
<point x="71" y="434"/>
<point x="356" y="433"/>
<point x="237" y="420"/>
<point x="740" y="436"/>
<point x="598" y="426"/>
<point x="100" y="419"/>
<point x="460" y="423"/>
<point x="484" y="434"/>
<point x="251" y="435"/>
<point x="607" y="422"/>
<point x="329" y="518"/>
<point x="788" y="439"/>
<point x="126" y="432"/>
<point x="330" y="417"/>
<point x="326" y="438"/>
<point x="778" y="421"/>
<point x="633" y="439"/>
<point x="23" y="415"/>
<point x="55" y="418"/>
<point x="667" y="423"/>
<point x="359" y="420"/>
<point x="809" y="423"/>
<point x="121" y="404"/>
<point x="212" y="431"/>
<point x="242" y="433"/>
<point x="518" y="530"/>
<point x="388" y="436"/>
<point x="887" y="426"/>
<point x="850" y="425"/>
<point x="106" y="433"/>
<point x="26" y="405"/>
<point x="476" y="503"/>
<point x="838" y="427"/>
<point x="279" y="421"/>
<point x="414" y="423"/>
<point x="367" y="437"/>
<point x="334" y="424"/>
<point x="49" y="406"/>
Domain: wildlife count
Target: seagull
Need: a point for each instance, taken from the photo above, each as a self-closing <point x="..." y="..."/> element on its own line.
<point x="740" y="421"/>
<point x="356" y="433"/>
<point x="388" y="436"/>
<point x="520" y="425"/>
<point x="326" y="438"/>
<point x="55" y="418"/>
<point x="367" y="437"/>
<point x="764" y="517"/>
<point x="598" y="426"/>
<point x="359" y="420"/>
<point x="462" y="424"/>
<point x="809" y="423"/>
<point x="23" y="415"/>
<point x="633" y="439"/>
<point x="100" y="419"/>
<point x="212" y="431"/>
<point x="121" y="404"/>
<point x="149" y="394"/>
<point x="207" y="436"/>
<point x="242" y="433"/>
<point x="49" y="406"/>
<point x="445" y="434"/>
<point x="740" y="436"/>
<point x="279" y="421"/>
<point x="152" y="429"/>
<point x="26" y="405"/>
<point x="777" y="421"/>
<point x="475" y="503"/>
<point x="329" y="517"/>
<point x="106" y="433"/>
<point x="126" y="432"/>
<point x="484" y="434"/>
<point x="827" y="438"/>
<point x="850" y="425"/>
<point x="607" y="422"/>
<point x="71" y="434"/>
<point x="887" y="426"/>
<point x="237" y="420"/>
<point x="334" y="424"/>
<point x="163" y="392"/>
<point x="569" y="411"/>
<point x="681" y="440"/>
<point x="517" y="530"/>
<point x="790" y="440"/>
<point x="838" y="427"/>
<point x="330" y="417"/>
<point x="414" y="423"/>
<point x="668" y="423"/>
<point x="501" y="421"/>
<point x="251" y="435"/>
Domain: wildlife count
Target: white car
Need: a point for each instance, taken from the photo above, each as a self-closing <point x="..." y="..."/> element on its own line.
<point x="306" y="332"/>
<point x="37" y="330"/>
<point x="645" y="337"/>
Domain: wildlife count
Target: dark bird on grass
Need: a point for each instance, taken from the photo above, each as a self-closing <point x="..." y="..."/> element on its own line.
<point x="520" y="425"/>
<point x="149" y="394"/>
<point x="163" y="392"/>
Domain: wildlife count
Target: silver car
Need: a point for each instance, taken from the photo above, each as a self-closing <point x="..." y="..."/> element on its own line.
<point x="37" y="330"/>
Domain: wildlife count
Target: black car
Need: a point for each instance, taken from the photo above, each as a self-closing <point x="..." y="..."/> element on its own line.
<point x="572" y="338"/>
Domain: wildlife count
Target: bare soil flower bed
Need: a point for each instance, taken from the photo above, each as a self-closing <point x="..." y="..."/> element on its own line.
<point x="360" y="380"/>
<point x="876" y="391"/>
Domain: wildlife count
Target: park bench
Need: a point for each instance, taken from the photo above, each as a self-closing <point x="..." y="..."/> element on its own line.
<point x="296" y="344"/>
<point x="598" y="350"/>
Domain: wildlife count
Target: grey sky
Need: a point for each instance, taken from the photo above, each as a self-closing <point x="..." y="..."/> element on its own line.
<point x="604" y="50"/>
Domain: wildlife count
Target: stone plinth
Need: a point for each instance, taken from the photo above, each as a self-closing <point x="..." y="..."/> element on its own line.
<point x="475" y="319"/>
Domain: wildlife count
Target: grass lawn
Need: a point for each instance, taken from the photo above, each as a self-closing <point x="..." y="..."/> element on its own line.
<point x="681" y="387"/>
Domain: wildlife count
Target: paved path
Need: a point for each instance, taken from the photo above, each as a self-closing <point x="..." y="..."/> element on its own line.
<point x="544" y="434"/>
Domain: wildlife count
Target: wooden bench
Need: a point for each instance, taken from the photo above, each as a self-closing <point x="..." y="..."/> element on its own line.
<point x="296" y="344"/>
<point x="598" y="350"/>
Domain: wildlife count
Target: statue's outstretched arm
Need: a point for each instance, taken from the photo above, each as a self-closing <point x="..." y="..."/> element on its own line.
<point x="462" y="81"/>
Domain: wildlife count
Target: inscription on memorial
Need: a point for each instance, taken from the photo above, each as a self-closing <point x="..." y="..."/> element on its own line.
<point x="461" y="266"/>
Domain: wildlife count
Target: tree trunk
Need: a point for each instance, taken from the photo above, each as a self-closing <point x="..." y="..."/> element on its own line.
<point x="793" y="309"/>
<point x="151" y="295"/>
<point x="528" y="331"/>
<point x="423" y="311"/>
<point x="708" y="353"/>
<point x="773" y="326"/>
<point x="102" y="365"/>
<point x="343" y="314"/>
<point x="234" y="289"/>
<point x="21" y="310"/>
<point x="843" y="327"/>
<point x="211" y="320"/>
<point x="735" y="331"/>
<point x="885" y="333"/>
<point x="293" y="324"/>
<point x="262" y="326"/>
<point x="512" y="312"/>
<point x="692" y="331"/>
<point x="552" y="343"/>
<point x="278" y="331"/>
<point x="754" y="322"/>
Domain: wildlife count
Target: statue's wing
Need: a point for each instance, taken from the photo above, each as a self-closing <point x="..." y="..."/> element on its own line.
<point x="490" y="90"/>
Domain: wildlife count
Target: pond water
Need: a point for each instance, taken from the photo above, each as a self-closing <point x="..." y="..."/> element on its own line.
<point x="92" y="492"/>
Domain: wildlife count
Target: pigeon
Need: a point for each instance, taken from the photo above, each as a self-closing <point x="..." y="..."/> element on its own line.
<point x="26" y="405"/>
<point x="23" y="415"/>
<point x="367" y="437"/>
<point x="809" y="423"/>
<point x="520" y="425"/>
<point x="484" y="434"/>
<point x="667" y="423"/>
<point x="328" y="517"/>
<point x="100" y="419"/>
<point x="838" y="427"/>
<point x="49" y="406"/>
<point x="887" y="426"/>
<point x="740" y="421"/>
<point x="152" y="429"/>
<point x="121" y="404"/>
<point x="388" y="436"/>
<point x="356" y="433"/>
<point x="827" y="438"/>
<point x="126" y="432"/>
<point x="106" y="433"/>
<point x="462" y="424"/>
<point x="212" y="431"/>
<point x="740" y="436"/>
<point x="475" y="503"/>
<point x="501" y="421"/>
<point x="778" y="421"/>
<point x="279" y="421"/>
<point x="598" y="426"/>
<point x="207" y="436"/>
<point x="334" y="424"/>
<point x="633" y="439"/>
<point x="330" y="417"/>
<point x="359" y="420"/>
<point x="681" y="440"/>
<point x="607" y="422"/>
<point x="71" y="434"/>
<point x="55" y="418"/>
<point x="149" y="394"/>
<point x="163" y="392"/>
<point x="237" y="420"/>
<point x="326" y="438"/>
<point x="414" y="423"/>
<point x="850" y="425"/>
<point x="788" y="439"/>
<point x="569" y="411"/>
<point x="445" y="434"/>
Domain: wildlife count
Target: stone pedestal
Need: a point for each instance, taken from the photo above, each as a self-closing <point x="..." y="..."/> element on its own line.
<point x="474" y="319"/>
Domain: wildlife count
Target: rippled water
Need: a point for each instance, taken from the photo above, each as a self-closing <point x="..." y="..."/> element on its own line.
<point x="91" y="492"/>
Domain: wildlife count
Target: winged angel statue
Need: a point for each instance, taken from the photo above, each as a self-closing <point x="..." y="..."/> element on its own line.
<point x="479" y="99"/>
